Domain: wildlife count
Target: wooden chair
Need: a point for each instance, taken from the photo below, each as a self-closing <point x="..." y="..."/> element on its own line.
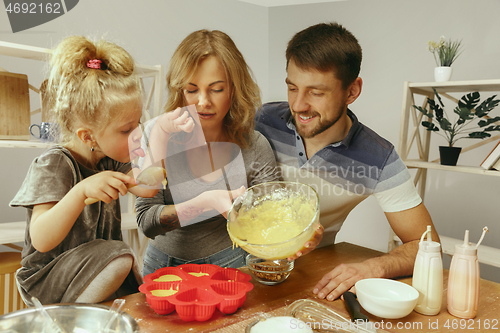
<point x="10" y="299"/>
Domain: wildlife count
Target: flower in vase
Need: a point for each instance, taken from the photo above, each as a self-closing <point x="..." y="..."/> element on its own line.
<point x="446" y="51"/>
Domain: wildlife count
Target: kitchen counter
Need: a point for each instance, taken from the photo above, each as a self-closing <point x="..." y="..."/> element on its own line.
<point x="265" y="301"/>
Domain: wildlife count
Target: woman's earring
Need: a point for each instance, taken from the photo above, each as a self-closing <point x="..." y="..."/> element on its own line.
<point x="92" y="149"/>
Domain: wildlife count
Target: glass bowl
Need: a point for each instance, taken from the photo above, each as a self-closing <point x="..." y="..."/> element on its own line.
<point x="274" y="220"/>
<point x="269" y="272"/>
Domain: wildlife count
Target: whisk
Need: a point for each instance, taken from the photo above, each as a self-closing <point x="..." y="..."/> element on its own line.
<point x="324" y="319"/>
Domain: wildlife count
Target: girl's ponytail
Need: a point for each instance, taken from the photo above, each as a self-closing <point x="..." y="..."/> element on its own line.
<point x="86" y="80"/>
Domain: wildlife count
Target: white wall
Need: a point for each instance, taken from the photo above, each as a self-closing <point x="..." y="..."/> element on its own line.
<point x="393" y="35"/>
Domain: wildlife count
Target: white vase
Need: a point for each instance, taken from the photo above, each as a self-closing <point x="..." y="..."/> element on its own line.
<point x="443" y="73"/>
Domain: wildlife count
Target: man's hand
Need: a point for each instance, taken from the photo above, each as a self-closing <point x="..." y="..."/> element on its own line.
<point x="343" y="277"/>
<point x="311" y="243"/>
<point x="409" y="226"/>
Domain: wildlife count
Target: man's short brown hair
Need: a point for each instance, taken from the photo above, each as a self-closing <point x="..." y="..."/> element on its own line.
<point x="327" y="47"/>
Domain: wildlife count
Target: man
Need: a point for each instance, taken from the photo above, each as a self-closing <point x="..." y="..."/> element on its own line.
<point x="317" y="140"/>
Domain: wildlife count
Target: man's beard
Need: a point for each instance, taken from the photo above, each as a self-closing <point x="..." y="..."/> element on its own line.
<point x="319" y="128"/>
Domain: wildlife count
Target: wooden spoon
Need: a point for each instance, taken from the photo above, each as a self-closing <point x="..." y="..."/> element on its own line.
<point x="152" y="176"/>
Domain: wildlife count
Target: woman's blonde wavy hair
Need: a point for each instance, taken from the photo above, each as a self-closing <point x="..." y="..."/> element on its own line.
<point x="80" y="95"/>
<point x="245" y="97"/>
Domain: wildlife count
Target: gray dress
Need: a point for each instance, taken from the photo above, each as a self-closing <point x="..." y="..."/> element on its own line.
<point x="61" y="274"/>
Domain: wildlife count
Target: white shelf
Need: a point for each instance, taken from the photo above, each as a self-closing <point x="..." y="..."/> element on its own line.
<point x="129" y="221"/>
<point x="24" y="144"/>
<point x="13" y="232"/>
<point x="458" y="168"/>
<point x="456" y="86"/>
<point x="42" y="54"/>
<point x="24" y="51"/>
<point x="485" y="254"/>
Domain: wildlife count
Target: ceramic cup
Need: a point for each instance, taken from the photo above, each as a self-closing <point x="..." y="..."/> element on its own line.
<point x="442" y="74"/>
<point x="47" y="132"/>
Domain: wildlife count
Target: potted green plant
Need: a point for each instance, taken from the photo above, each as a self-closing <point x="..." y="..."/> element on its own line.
<point x="468" y="110"/>
<point x="445" y="53"/>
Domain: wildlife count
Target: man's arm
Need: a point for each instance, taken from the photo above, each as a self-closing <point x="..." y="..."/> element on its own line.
<point x="409" y="225"/>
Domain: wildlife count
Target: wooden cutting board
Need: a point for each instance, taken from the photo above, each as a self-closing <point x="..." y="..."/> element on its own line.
<point x="14" y="106"/>
<point x="47" y="105"/>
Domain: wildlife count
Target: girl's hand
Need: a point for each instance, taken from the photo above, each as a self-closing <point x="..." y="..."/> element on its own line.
<point x="174" y="121"/>
<point x="106" y="186"/>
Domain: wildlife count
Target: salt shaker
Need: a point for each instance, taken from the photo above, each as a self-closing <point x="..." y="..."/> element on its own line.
<point x="428" y="275"/>
<point x="463" y="280"/>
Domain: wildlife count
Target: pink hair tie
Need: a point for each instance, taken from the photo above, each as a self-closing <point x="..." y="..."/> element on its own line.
<point x="94" y="63"/>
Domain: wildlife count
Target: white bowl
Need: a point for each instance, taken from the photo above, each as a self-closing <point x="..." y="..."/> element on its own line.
<point x="284" y="324"/>
<point x="386" y="298"/>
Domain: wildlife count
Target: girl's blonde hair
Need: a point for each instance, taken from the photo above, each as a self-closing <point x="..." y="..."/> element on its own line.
<point x="82" y="95"/>
<point x="245" y="98"/>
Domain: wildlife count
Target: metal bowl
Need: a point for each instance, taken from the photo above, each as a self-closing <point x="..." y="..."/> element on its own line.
<point x="71" y="318"/>
<point x="292" y="211"/>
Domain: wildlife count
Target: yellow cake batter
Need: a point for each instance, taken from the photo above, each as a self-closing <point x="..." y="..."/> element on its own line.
<point x="164" y="292"/>
<point x="168" y="278"/>
<point x="274" y="221"/>
<point x="198" y="274"/>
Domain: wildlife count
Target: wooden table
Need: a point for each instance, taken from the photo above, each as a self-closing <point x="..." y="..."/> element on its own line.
<point x="266" y="301"/>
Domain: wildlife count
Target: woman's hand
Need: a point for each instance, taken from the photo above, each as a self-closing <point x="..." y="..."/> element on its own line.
<point x="219" y="200"/>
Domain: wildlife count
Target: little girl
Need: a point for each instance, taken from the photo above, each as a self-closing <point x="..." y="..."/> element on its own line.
<point x="74" y="252"/>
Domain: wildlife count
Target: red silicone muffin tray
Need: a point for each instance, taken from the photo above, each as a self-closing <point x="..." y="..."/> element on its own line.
<point x="200" y="290"/>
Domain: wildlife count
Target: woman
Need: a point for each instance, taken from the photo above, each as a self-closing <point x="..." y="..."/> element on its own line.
<point x="208" y="71"/>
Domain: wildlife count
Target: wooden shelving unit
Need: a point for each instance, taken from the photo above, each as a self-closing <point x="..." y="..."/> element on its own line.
<point x="414" y="136"/>
<point x="42" y="54"/>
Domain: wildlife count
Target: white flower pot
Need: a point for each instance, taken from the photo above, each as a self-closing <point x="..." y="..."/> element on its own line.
<point x="442" y="74"/>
